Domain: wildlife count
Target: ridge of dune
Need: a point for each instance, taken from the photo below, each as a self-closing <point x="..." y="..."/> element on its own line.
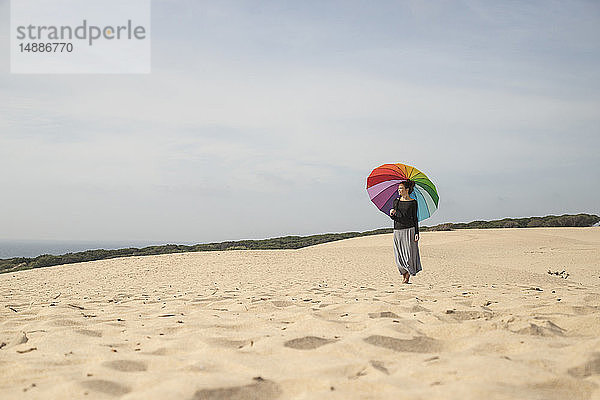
<point x="483" y="318"/>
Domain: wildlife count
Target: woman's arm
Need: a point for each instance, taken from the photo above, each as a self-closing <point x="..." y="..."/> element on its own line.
<point x="393" y="213"/>
<point x="416" y="218"/>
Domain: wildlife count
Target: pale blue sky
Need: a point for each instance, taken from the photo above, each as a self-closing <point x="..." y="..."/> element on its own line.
<point x="264" y="118"/>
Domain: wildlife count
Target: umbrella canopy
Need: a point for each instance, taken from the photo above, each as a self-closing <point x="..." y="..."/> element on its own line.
<point x="382" y="186"/>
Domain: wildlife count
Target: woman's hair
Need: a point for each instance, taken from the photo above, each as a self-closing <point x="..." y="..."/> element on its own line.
<point x="410" y="185"/>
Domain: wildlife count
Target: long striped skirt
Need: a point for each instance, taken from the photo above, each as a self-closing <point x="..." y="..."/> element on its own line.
<point x="406" y="251"/>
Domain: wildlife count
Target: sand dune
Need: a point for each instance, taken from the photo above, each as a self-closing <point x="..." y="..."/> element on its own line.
<point x="483" y="319"/>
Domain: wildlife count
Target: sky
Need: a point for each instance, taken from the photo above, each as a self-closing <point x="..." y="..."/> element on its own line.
<point x="264" y="118"/>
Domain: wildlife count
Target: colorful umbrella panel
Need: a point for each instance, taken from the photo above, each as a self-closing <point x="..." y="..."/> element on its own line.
<point x="382" y="187"/>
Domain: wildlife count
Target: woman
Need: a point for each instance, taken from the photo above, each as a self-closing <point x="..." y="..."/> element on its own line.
<point x="406" y="231"/>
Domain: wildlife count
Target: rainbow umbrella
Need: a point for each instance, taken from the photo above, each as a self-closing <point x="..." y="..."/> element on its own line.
<point x="382" y="186"/>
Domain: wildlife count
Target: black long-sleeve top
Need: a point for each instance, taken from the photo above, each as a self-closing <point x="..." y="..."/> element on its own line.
<point x="406" y="214"/>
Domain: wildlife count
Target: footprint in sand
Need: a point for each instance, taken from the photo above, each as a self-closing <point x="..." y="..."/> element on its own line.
<point x="418" y="308"/>
<point x="383" y="314"/>
<point x="126" y="365"/>
<point x="19" y="338"/>
<point x="549" y="329"/>
<point x="308" y="343"/>
<point x="379" y="365"/>
<point x="66" y="322"/>
<point x="592" y="298"/>
<point x="162" y="351"/>
<point x="230" y="343"/>
<point x="419" y="344"/>
<point x="469" y="315"/>
<point x="585" y="310"/>
<point x="107" y="387"/>
<point x="282" y="303"/>
<point x="88" y="332"/>
<point x="556" y="389"/>
<point x="591" y="367"/>
<point x="261" y="389"/>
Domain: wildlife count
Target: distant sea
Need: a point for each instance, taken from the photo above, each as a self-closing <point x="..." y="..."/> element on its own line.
<point x="32" y="248"/>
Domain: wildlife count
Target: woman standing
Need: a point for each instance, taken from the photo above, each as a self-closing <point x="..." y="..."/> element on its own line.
<point x="406" y="231"/>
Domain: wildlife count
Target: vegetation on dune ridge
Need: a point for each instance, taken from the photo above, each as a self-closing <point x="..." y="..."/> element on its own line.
<point x="285" y="242"/>
<point x="565" y="220"/>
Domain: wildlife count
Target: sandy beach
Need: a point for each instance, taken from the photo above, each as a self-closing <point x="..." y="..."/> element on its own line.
<point x="484" y="319"/>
